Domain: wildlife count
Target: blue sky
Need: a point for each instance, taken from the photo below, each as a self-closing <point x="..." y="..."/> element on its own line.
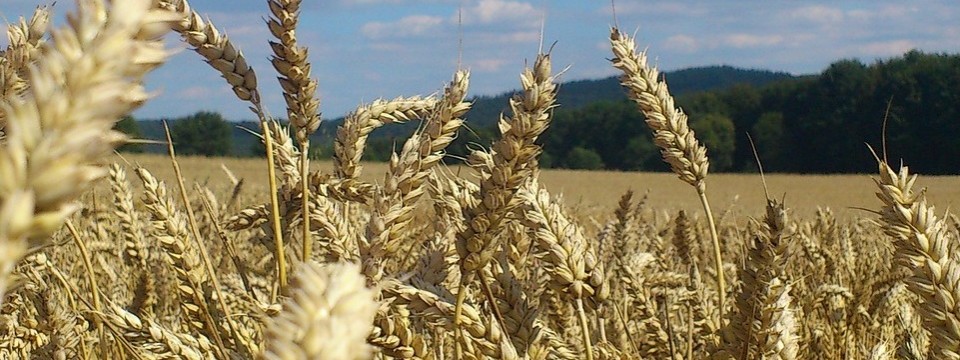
<point x="367" y="49"/>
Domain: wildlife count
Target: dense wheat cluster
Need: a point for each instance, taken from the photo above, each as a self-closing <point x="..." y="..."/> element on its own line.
<point x="423" y="264"/>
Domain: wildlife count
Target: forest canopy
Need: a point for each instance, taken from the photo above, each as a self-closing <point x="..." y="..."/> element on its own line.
<point x="801" y="124"/>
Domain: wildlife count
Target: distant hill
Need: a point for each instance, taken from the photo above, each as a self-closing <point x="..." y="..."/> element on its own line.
<point x="579" y="93"/>
<point x="487" y="109"/>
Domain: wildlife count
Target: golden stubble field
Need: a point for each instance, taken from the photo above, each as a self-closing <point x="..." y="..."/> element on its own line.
<point x="595" y="193"/>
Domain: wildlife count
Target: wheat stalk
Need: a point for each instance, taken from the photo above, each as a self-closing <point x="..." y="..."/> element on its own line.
<point x="54" y="139"/>
<point x="171" y="231"/>
<point x="25" y="39"/>
<point x="135" y="253"/>
<point x="226" y="58"/>
<point x="290" y="61"/>
<point x="923" y="246"/>
<point x="156" y="340"/>
<point x="513" y="162"/>
<point x="395" y="338"/>
<point x="404" y="183"/>
<point x="763" y="295"/>
<point x="216" y="48"/>
<point x="671" y="132"/>
<point x="568" y="259"/>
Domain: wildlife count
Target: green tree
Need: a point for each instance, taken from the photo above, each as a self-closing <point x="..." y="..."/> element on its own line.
<point x="745" y="109"/>
<point x="604" y="128"/>
<point x="582" y="158"/>
<point x="204" y="133"/>
<point x="716" y="131"/>
<point x="129" y="126"/>
<point x="704" y="103"/>
<point x="546" y="160"/>
<point x="642" y="154"/>
<point x="769" y="138"/>
<point x="321" y="151"/>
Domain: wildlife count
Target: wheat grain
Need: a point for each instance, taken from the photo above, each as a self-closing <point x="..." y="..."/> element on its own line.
<point x="290" y="61"/>
<point x="156" y="340"/>
<point x="216" y="48"/>
<point x="25" y="39"/>
<point x="510" y="166"/>
<point x="923" y="246"/>
<point x="678" y="143"/>
<point x="170" y="230"/>
<point x="328" y="316"/>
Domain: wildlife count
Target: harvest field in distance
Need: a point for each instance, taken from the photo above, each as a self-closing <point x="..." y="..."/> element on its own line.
<point x="595" y="193"/>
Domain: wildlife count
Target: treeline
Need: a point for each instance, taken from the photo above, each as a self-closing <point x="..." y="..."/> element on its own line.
<point x="583" y="105"/>
<point x="482" y="116"/>
<point x="812" y="124"/>
<point x="821" y="124"/>
<point x="203" y="133"/>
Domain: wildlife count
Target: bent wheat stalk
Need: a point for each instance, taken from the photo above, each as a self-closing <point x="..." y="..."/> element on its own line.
<point x="352" y="134"/>
<point x="226" y="58"/>
<point x="671" y="132"/>
<point x="403" y="184"/>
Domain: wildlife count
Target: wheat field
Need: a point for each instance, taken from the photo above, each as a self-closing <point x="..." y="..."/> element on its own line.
<point x="595" y="193"/>
<point x="158" y="257"/>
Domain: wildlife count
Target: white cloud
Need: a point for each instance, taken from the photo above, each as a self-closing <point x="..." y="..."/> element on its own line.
<point x="486" y="65"/>
<point x="951" y="32"/>
<point x="500" y="11"/>
<point x="751" y="40"/>
<point x="498" y="21"/>
<point x="662" y="8"/>
<point x="818" y="14"/>
<point x="682" y="43"/>
<point x="199" y="92"/>
<point x="886" y="12"/>
<point x="505" y="37"/>
<point x="801" y="39"/>
<point x="887" y="48"/>
<point x="897" y="11"/>
<point x="387" y="46"/>
<point x="405" y="27"/>
<point x="860" y="15"/>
